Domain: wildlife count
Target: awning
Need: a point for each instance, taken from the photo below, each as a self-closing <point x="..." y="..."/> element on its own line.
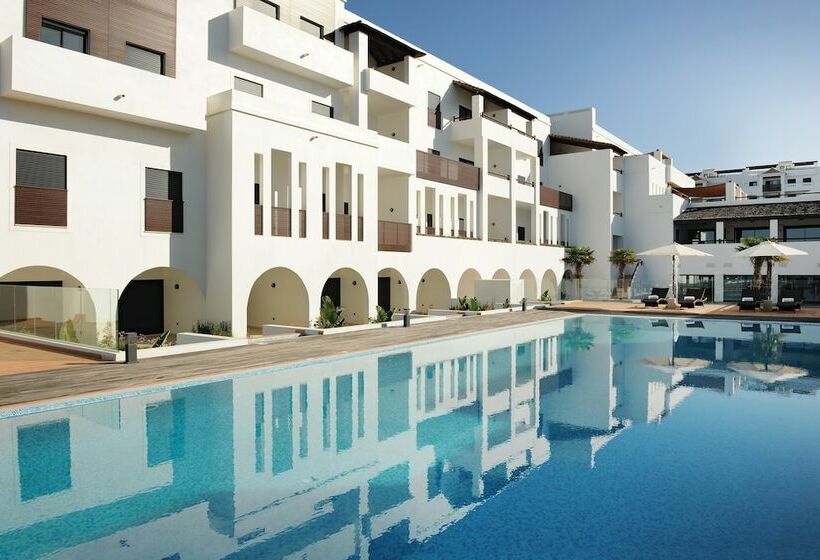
<point x="489" y="96"/>
<point x="586" y="143"/>
<point x="383" y="47"/>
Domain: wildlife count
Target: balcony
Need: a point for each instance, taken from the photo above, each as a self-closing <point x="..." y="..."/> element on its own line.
<point x="553" y="198"/>
<point x="265" y="39"/>
<point x="394" y="236"/>
<point x="395" y="155"/>
<point x="379" y="82"/>
<point x="447" y="171"/>
<point x="42" y="73"/>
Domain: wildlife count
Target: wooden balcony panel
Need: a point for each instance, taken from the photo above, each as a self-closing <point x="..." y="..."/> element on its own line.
<point x="395" y="236"/>
<point x="40" y="206"/>
<point x="165" y="216"/>
<point x="302" y="224"/>
<point x="280" y="222"/>
<point x="257" y="219"/>
<point x="343" y="227"/>
<point x="443" y="170"/>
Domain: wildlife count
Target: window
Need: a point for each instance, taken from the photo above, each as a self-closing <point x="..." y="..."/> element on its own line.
<point x="163" y="201"/>
<point x="752" y="183"/>
<point x="741" y="233"/>
<point x="65" y="36"/>
<point x="241" y="84"/>
<point x="435" y="152"/>
<point x="144" y="59"/>
<point x="699" y="236"/>
<point x="467" y="161"/>
<point x="810" y="285"/>
<point x="311" y="27"/>
<point x="40" y="196"/>
<point x="733" y="285"/>
<point x="807" y="179"/>
<point x="322" y="109"/>
<point x="464" y="113"/>
<point x="791" y="181"/>
<point x="541" y="153"/>
<point x="802" y="233"/>
<point x="771" y="184"/>
<point x="434" y="110"/>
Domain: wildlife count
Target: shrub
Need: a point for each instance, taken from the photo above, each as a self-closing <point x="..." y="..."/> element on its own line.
<point x="473" y="305"/>
<point x="463" y="304"/>
<point x="382" y="315"/>
<point x="546" y="297"/>
<point x="330" y="316"/>
<point x="67" y="332"/>
<point x="220" y="328"/>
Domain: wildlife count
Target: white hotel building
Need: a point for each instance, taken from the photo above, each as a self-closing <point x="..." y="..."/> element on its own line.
<point x="236" y="159"/>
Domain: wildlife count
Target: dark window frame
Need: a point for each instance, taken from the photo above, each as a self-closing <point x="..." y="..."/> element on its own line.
<point x="56" y="25"/>
<point x="807" y="179"/>
<point x="319" y="26"/>
<point x="17" y="163"/>
<point x="273" y="5"/>
<point x="315" y="104"/>
<point x="241" y="79"/>
<point x="789" y="229"/>
<point x="162" y="57"/>
<point x="791" y="181"/>
<point x="435" y="110"/>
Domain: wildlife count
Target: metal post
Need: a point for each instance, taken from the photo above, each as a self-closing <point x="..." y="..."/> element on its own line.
<point x="130" y="348"/>
<point x="406" y="318"/>
<point x="524" y="304"/>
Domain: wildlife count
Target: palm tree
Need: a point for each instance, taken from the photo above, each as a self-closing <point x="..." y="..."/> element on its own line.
<point x="621" y="258"/>
<point x="757" y="262"/>
<point x="578" y="258"/>
<point x="770" y="262"/>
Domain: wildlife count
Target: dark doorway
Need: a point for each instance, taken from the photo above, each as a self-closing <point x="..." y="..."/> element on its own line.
<point x="522" y="233"/>
<point x="141" y="307"/>
<point x="384" y="292"/>
<point x="333" y="290"/>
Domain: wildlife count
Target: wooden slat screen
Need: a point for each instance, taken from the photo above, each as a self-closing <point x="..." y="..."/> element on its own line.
<point x="325" y="225"/>
<point x="165" y="216"/>
<point x="443" y="170"/>
<point x="38" y="169"/>
<point x="553" y="198"/>
<point x="394" y="236"/>
<point x="302" y="224"/>
<point x="343" y="227"/>
<point x="40" y="206"/>
<point x="361" y="228"/>
<point x="257" y="219"/>
<point x="280" y="222"/>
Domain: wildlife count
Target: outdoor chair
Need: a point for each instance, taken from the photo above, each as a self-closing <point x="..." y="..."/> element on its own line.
<point x="789" y="300"/>
<point x="658" y="296"/>
<point x="693" y="297"/>
<point x="749" y="299"/>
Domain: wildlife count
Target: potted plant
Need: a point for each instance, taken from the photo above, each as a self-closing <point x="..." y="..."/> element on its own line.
<point x="330" y="316"/>
<point x="621" y="258"/>
<point x="578" y="258"/>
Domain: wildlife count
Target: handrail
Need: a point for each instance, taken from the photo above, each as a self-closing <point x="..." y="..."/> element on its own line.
<point x="511" y="127"/>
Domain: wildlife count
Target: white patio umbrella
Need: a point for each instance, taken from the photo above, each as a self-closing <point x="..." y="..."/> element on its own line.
<point x="770" y="249"/>
<point x="675" y="250"/>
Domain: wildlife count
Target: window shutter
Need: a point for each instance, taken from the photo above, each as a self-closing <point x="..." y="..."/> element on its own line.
<point x="143" y="58"/>
<point x="36" y="169"/>
<point x="156" y="184"/>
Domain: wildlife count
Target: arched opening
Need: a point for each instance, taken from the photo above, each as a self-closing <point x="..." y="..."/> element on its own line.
<point x="466" y="284"/>
<point x="158" y="300"/>
<point x="433" y="291"/>
<point x="347" y="289"/>
<point x="393" y="292"/>
<point x="501" y="274"/>
<point x="530" y="285"/>
<point x="549" y="282"/>
<point x="51" y="303"/>
<point x="278" y="297"/>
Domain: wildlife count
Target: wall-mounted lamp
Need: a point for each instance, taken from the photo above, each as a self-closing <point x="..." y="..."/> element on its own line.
<point x="312" y="138"/>
<point x="119" y="96"/>
<point x="305" y="55"/>
<point x="354" y="282"/>
<point x="176" y="286"/>
<point x="273" y="284"/>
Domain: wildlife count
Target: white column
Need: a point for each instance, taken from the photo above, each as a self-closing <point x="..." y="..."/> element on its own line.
<point x="331" y="201"/>
<point x="359" y="99"/>
<point x="293" y="195"/>
<point x="720" y="231"/>
<point x="773" y="226"/>
<point x="313" y="201"/>
<point x="354" y="204"/>
<point x="513" y="203"/>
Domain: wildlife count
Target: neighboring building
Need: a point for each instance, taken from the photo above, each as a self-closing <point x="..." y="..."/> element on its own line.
<point x="778" y="201"/>
<point x="623" y="198"/>
<point x="236" y="160"/>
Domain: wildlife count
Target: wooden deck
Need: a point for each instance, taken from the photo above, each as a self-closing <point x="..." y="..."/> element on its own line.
<point x="17" y="358"/>
<point x="33" y="388"/>
<point x="708" y="311"/>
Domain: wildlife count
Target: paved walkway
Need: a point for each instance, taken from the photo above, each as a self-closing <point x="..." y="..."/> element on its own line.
<point x="31" y="388"/>
<point x="710" y="310"/>
<point x="16" y="358"/>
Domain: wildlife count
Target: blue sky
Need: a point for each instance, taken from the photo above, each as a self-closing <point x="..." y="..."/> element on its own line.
<point x="720" y="83"/>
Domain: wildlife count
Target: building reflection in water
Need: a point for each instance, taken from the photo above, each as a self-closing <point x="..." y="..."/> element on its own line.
<point x="365" y="456"/>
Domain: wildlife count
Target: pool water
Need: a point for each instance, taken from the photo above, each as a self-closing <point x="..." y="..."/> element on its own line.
<point x="589" y="437"/>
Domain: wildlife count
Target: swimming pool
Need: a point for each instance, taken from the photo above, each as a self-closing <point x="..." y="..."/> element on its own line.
<point x="591" y="437"/>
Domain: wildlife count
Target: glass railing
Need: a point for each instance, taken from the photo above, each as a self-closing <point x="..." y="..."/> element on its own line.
<point x="82" y="316"/>
<point x="596" y="289"/>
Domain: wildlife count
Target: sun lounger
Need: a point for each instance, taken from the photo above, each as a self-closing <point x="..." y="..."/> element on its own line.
<point x="693" y="297"/>
<point x="749" y="299"/>
<point x="790" y="300"/>
<point x="658" y="296"/>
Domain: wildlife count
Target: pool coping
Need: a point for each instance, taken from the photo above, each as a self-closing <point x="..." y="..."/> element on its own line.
<point x="93" y="397"/>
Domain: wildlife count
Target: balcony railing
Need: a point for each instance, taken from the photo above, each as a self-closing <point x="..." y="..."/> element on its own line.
<point x="325" y="225"/>
<point x="553" y="198"/>
<point x="443" y="170"/>
<point x="394" y="236"/>
<point x="343" y="227"/>
<point x="489" y="117"/>
<point x="360" y="233"/>
<point x="40" y="206"/>
<point x="257" y="219"/>
<point x="280" y="222"/>
<point x="524" y="181"/>
<point x="302" y="224"/>
<point x="163" y="215"/>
